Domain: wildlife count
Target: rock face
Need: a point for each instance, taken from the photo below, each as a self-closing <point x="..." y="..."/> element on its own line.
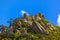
<point x="35" y="23"/>
<point x="39" y="16"/>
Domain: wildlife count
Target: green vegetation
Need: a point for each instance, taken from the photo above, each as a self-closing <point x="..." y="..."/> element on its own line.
<point x="54" y="35"/>
<point x="24" y="31"/>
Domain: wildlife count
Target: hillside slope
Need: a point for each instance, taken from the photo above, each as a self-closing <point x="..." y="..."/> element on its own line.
<point x="30" y="28"/>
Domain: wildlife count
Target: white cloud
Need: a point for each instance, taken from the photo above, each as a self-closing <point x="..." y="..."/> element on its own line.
<point x="58" y="20"/>
<point x="22" y="12"/>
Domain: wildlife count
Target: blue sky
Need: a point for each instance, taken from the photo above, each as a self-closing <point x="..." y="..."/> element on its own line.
<point x="12" y="8"/>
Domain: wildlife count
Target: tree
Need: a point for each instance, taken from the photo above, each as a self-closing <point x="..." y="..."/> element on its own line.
<point x="10" y="21"/>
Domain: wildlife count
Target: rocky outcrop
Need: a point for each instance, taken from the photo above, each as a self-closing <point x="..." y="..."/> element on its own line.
<point x="39" y="16"/>
<point x="50" y="26"/>
<point x="35" y="24"/>
<point x="39" y="28"/>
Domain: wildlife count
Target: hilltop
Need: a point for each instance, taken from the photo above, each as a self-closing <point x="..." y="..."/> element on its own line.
<point x="30" y="28"/>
